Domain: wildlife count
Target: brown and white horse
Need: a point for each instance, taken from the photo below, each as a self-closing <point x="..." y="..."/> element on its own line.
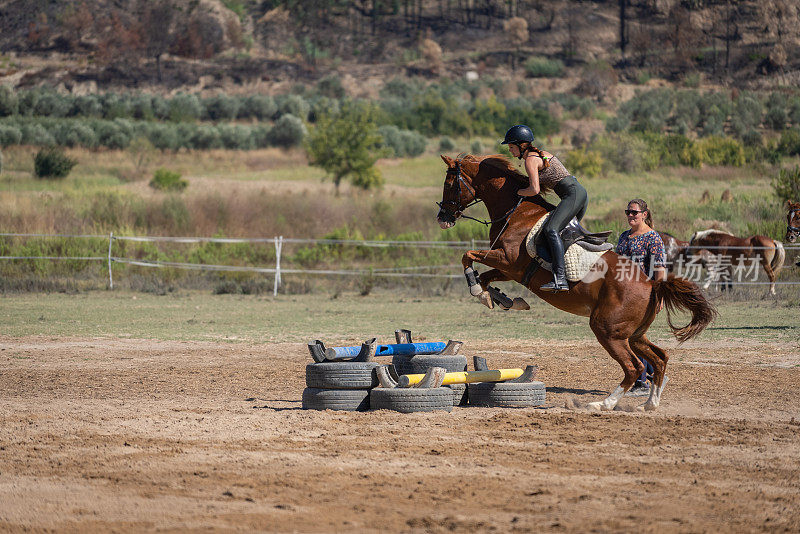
<point x="731" y="252"/>
<point x="620" y="309"/>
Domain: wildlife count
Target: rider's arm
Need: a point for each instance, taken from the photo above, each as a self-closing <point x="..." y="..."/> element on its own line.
<point x="532" y="164"/>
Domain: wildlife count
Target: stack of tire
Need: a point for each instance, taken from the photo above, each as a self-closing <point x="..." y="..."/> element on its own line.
<point x="419" y="364"/>
<point x="339" y="385"/>
<point x="506" y="394"/>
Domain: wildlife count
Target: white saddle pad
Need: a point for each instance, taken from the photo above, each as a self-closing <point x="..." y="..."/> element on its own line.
<point x="578" y="262"/>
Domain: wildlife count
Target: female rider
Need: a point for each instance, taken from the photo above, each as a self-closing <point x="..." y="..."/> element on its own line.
<point x="644" y="246"/>
<point x="546" y="172"/>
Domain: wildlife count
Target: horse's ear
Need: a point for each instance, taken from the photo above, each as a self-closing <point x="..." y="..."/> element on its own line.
<point x="448" y="160"/>
<point x="792" y="205"/>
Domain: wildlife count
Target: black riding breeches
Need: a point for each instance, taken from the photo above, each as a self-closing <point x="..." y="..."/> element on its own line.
<point x="574" y="201"/>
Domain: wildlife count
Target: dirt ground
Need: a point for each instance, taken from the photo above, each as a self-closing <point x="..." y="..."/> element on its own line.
<point x="132" y="435"/>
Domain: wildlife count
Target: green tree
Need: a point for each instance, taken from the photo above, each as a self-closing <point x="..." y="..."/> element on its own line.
<point x="346" y="145"/>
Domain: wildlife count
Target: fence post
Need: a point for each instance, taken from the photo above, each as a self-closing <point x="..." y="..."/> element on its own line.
<point x="110" y="279"/>
<point x="472" y="241"/>
<point x="278" y="247"/>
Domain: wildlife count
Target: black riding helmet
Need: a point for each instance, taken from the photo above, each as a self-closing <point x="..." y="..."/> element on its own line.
<point x="518" y="134"/>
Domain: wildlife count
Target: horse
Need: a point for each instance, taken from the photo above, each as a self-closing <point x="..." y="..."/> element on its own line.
<point x="730" y="252"/>
<point x="677" y="255"/>
<point x="620" y="309"/>
<point x="792" y="221"/>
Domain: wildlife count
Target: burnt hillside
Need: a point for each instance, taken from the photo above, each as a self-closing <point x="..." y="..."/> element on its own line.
<point x="199" y="44"/>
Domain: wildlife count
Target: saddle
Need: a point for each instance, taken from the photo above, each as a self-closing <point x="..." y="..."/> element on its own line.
<point x="583" y="249"/>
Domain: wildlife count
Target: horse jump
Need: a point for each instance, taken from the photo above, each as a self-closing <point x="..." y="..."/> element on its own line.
<point x="619" y="310"/>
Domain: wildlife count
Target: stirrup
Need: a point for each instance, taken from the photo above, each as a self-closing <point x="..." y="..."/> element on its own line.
<point x="554" y="287"/>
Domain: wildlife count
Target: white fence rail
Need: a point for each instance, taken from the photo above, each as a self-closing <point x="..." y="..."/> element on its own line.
<point x="278" y="242"/>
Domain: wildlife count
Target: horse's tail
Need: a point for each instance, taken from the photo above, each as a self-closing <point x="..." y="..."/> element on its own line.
<point x="778" y="258"/>
<point x="681" y="294"/>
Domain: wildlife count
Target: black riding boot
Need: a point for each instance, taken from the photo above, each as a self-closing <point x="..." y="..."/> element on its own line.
<point x="559" y="282"/>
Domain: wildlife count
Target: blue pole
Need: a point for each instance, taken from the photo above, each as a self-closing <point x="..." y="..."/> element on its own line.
<point x="405" y="349"/>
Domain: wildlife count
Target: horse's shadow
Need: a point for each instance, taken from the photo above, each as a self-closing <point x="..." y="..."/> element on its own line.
<point x="274" y="408"/>
<point x="576" y="391"/>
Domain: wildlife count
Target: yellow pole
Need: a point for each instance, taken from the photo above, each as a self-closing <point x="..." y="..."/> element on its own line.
<point x="466" y="377"/>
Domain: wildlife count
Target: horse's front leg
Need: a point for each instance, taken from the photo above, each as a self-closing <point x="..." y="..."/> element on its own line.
<point x="479" y="284"/>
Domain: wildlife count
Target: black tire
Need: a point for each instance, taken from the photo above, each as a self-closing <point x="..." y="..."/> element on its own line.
<point x="459" y="394"/>
<point x="409" y="400"/>
<point x="506" y="394"/>
<point x="413" y="365"/>
<point x="350" y="400"/>
<point x="342" y="375"/>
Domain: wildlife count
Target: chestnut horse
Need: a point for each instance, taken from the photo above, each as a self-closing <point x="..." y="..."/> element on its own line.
<point x="731" y="252"/>
<point x="620" y="309"/>
<point x="792" y="221"/>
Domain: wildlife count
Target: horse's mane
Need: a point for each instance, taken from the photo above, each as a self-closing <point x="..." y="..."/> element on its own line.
<point x="703" y="233"/>
<point x="506" y="167"/>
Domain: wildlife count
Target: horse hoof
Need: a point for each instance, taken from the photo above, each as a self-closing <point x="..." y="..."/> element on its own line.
<point x="647" y="407"/>
<point x="486" y="300"/>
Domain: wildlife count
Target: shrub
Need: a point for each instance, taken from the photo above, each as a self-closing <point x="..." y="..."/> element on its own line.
<point x="9" y="103"/>
<point x="74" y="132"/>
<point x="776" y="118"/>
<point x="52" y="163"/>
<point x="288" y="131"/>
<point x="446" y="144"/>
<point x="166" y="180"/>
<point x="584" y="162"/>
<point x="747" y="113"/>
<point x="115" y="106"/>
<point x="402" y="143"/>
<point x="141" y="107"/>
<point x="235" y="137"/>
<point x="9" y="135"/>
<point x="623" y="152"/>
<point x="722" y="151"/>
<point x="476" y="147"/>
<point x="52" y="104"/>
<point x="86" y="106"/>
<point x="789" y="144"/>
<point x="261" y="107"/>
<point x="331" y="86"/>
<point x="184" y="107"/>
<point x="320" y="106"/>
<point x="1" y="161"/>
<point x="787" y="184"/>
<point x="293" y="105"/>
<point x="163" y="136"/>
<point x="36" y="135"/>
<point x="221" y="108"/>
<point x="205" y="137"/>
<point x="541" y="67"/>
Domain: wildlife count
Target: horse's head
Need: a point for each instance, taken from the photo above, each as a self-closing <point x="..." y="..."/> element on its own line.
<point x="793" y="221"/>
<point x="457" y="195"/>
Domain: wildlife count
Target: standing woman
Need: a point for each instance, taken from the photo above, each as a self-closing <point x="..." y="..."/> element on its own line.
<point x="546" y="172"/>
<point x="644" y="246"/>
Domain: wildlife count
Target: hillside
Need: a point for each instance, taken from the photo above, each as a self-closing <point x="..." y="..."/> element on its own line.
<point x="249" y="46"/>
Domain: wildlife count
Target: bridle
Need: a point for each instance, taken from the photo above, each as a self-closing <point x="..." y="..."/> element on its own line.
<point x="789" y="227"/>
<point x="459" y="208"/>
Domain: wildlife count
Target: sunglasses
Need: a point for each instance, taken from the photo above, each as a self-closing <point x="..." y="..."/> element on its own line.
<point x="632" y="212"/>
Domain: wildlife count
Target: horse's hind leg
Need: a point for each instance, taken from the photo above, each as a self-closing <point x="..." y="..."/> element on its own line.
<point x="620" y="350"/>
<point x="658" y="359"/>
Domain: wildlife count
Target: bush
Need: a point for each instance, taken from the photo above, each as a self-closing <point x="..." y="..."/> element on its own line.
<point x="36" y="135"/>
<point x="288" y="131"/>
<point x="9" y="135"/>
<point x="88" y="106"/>
<point x="52" y="163"/>
<point x="74" y="132"/>
<point x="722" y="151"/>
<point x="261" y="107"/>
<point x="293" y="105"/>
<point x="52" y="104"/>
<point x="205" y="137"/>
<point x="476" y="147"/>
<point x="541" y="67"/>
<point x="235" y="137"/>
<point x="331" y="86"/>
<point x="1" y="161"/>
<point x="624" y="153"/>
<point x="184" y="108"/>
<point x="584" y="162"/>
<point x="402" y="143"/>
<point x="789" y="144"/>
<point x="166" y="180"/>
<point x="221" y="108"/>
<point x="787" y="184"/>
<point x="9" y="104"/>
<point x="446" y="144"/>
